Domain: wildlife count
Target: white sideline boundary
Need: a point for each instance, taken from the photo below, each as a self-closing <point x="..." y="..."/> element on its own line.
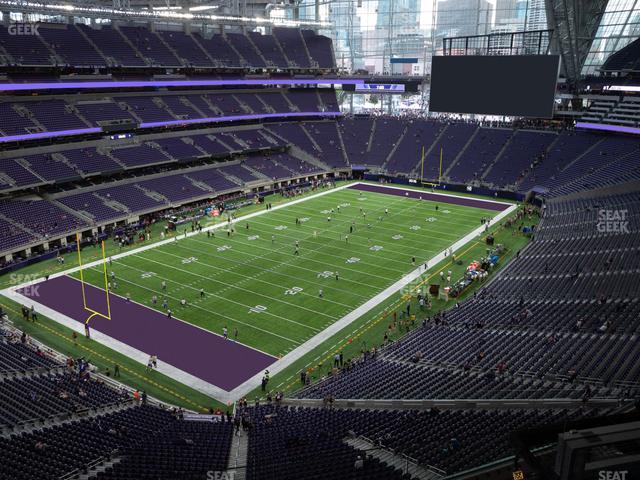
<point x="125" y="349"/>
<point x="291" y="357"/>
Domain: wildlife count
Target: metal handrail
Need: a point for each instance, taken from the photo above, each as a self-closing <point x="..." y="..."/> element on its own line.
<point x="91" y="464"/>
<point x="63" y="416"/>
<point x="407" y="458"/>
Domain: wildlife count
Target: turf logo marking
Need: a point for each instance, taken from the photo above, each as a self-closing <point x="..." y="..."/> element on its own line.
<point x="397" y="237"/>
<point x="186" y="261"/>
<point x="352" y="260"/>
<point x="414" y="227"/>
<point x="431" y="219"/>
<point x="280" y="227"/>
<point x="325" y="274"/>
<point x="293" y="291"/>
<point x="303" y="219"/>
<point x="446" y="211"/>
<point x="148" y="274"/>
<point x="253" y="237"/>
<point x="258" y="309"/>
<point x="325" y="212"/>
<point x="376" y="248"/>
<point x="223" y="248"/>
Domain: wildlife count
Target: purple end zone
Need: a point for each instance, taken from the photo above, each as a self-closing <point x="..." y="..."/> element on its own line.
<point x="209" y="357"/>
<point x="433" y="197"/>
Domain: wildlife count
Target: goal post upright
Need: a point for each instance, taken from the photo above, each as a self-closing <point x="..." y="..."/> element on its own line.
<point x="423" y="157"/>
<point x="94" y="313"/>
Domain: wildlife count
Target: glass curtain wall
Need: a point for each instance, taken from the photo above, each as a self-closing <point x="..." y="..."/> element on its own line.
<point x="400" y="36"/>
<point x="620" y="25"/>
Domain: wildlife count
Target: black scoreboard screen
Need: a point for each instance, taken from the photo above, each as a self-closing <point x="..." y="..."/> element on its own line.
<point x="511" y="85"/>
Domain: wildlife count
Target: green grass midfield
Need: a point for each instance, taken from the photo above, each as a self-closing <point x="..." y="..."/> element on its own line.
<point x="252" y="281"/>
<point x="366" y="331"/>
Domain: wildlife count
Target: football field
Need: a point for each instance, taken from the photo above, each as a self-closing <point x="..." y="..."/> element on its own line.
<point x="271" y="280"/>
<point x="255" y="283"/>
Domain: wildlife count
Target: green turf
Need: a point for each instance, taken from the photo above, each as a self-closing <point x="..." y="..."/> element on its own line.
<point x="369" y="330"/>
<point x="253" y="281"/>
<point x="366" y="331"/>
<point x="132" y="373"/>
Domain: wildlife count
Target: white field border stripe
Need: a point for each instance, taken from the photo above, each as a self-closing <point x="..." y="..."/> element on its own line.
<point x="431" y="193"/>
<point x="179" y="236"/>
<point x="125" y="349"/>
<point x="312" y="343"/>
<point x="183" y="321"/>
<point x="252" y="383"/>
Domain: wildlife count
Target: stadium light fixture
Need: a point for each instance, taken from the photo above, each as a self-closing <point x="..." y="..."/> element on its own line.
<point x="202" y="8"/>
<point x="622" y="88"/>
<point x="160" y="15"/>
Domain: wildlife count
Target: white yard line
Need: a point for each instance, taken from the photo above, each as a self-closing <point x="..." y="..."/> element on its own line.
<point x="262" y="271"/>
<point x="180" y="237"/>
<point x="124" y="349"/>
<point x="305" y="251"/>
<point x="351" y="317"/>
<point x="288" y="359"/>
<point x="374" y="214"/>
<point x="193" y="305"/>
<point x="411" y="189"/>
<point x="217" y="294"/>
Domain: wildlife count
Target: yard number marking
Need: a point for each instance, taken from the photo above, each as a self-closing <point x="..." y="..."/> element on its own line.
<point x="293" y="291"/>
